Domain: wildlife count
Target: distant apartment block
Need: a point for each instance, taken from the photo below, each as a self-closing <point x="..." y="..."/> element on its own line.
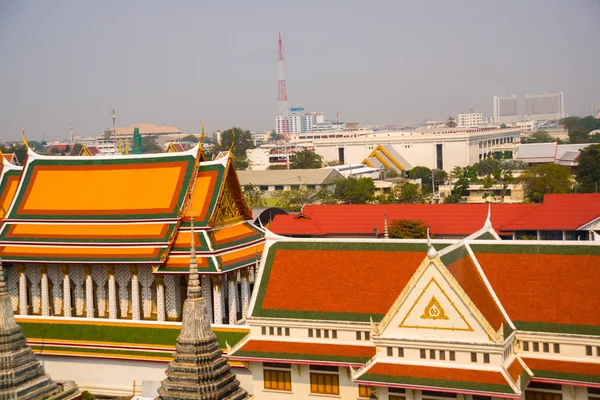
<point x="595" y="108"/>
<point x="545" y="106"/>
<point x="300" y="123"/>
<point x="505" y="109"/>
<point x="470" y="119"/>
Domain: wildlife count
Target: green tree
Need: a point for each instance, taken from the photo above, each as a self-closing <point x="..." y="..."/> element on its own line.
<point x="408" y="229"/>
<point x="463" y="178"/>
<point x="306" y="159"/>
<point x="451" y="122"/>
<point x="190" y="138"/>
<point x="571" y="123"/>
<point x="588" y="170"/>
<point x="273" y="136"/>
<point x="542" y="179"/>
<point x="355" y="191"/>
<point x="150" y="145"/>
<point x="540" y="136"/>
<point x="293" y="200"/>
<point x="76" y="149"/>
<point x="424" y="174"/>
<point x="503" y="125"/>
<point x="487" y="166"/>
<point x="579" y="136"/>
<point x="512" y="165"/>
<point x="243" y="141"/>
<point x="254" y="196"/>
<point x="589" y="123"/>
<point x="241" y="163"/>
<point x="332" y="163"/>
<point x="405" y="193"/>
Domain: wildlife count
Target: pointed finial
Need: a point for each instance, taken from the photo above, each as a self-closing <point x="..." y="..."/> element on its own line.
<point x="431" y="251"/>
<point x="488" y="220"/>
<point x="2" y="282"/>
<point x="23" y="137"/>
<point x="1" y="157"/>
<point x="386" y="233"/>
<point x="202" y="135"/>
<point x="373" y="326"/>
<point x="232" y="141"/>
<point x="193" y="291"/>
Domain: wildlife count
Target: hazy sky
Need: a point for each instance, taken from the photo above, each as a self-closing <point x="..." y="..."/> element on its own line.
<point x="178" y="62"/>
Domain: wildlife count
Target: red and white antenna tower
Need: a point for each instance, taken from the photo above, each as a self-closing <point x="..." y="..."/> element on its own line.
<point x="283" y="111"/>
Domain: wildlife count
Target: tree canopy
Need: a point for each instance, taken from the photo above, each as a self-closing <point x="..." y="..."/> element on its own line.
<point x="306" y="159"/>
<point x="540" y="136"/>
<point x="189" y="138"/>
<point x="243" y="141"/>
<point x="150" y="145"/>
<point x="542" y="179"/>
<point x="588" y="171"/>
<point x="253" y="196"/>
<point x="408" y="229"/>
<point x="404" y="192"/>
<point x="355" y="190"/>
<point x="579" y="128"/>
<point x="293" y="200"/>
<point x="451" y="122"/>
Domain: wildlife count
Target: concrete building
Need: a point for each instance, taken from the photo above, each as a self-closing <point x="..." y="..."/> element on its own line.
<point x="545" y="106"/>
<point x="300" y="122"/>
<point x="594" y="108"/>
<point x="125" y="134"/>
<point x="271" y="181"/>
<point x="470" y="120"/>
<point x="505" y="109"/>
<point x="433" y="148"/>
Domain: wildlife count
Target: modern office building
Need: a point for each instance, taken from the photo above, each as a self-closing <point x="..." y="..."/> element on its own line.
<point x="505" y="109"/>
<point x="545" y="106"/>
<point x="469" y="120"/>
<point x="300" y="122"/>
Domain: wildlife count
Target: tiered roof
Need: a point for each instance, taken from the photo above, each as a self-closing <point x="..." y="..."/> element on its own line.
<point x="385" y="156"/>
<point x="125" y="209"/>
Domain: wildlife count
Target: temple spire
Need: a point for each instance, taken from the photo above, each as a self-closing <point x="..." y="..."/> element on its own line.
<point x="194" y="290"/>
<point x="386" y="233"/>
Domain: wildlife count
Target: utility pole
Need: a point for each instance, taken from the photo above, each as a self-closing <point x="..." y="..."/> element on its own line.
<point x="282" y="100"/>
<point x="114" y="118"/>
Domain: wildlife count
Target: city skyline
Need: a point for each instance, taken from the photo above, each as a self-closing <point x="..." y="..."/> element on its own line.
<point x="71" y="63"/>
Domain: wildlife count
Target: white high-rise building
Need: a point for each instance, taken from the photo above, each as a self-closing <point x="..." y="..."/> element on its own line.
<point x="594" y="108"/>
<point x="300" y="123"/>
<point x="545" y="106"/>
<point x="505" y="109"/>
<point x="470" y="119"/>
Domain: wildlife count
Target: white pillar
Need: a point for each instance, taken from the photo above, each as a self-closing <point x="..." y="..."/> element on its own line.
<point x="218" y="299"/>
<point x="160" y="298"/>
<point x="245" y="292"/>
<point x="66" y="291"/>
<point x="22" y="291"/>
<point x="89" y="293"/>
<point x="45" y="291"/>
<point x="135" y="294"/>
<point x="112" y="293"/>
<point x="207" y="294"/>
<point x="232" y="296"/>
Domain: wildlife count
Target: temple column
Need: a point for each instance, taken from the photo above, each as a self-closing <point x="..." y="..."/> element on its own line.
<point x="45" y="291"/>
<point x="206" y="293"/>
<point x="66" y="291"/>
<point x="112" y="293"/>
<point x="245" y="292"/>
<point x="89" y="292"/>
<point x="135" y="293"/>
<point x="232" y="295"/>
<point x="218" y="299"/>
<point x="22" y="291"/>
<point x="160" y="298"/>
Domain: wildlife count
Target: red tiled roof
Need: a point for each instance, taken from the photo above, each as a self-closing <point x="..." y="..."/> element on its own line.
<point x="302" y="352"/>
<point x="94" y="150"/>
<point x="515" y="369"/>
<point x="560" y="212"/>
<point x="565" y="371"/>
<point x="454" y="379"/>
<point x="334" y="281"/>
<point x="360" y="219"/>
<point x="469" y="278"/>
<point x="544" y="288"/>
<point x="10" y="157"/>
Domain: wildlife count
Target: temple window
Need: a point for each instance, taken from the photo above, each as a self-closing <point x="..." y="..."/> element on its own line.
<point x="556" y="348"/>
<point x="422" y="353"/>
<point x="432" y="354"/>
<point x="546" y="347"/>
<point x="363" y="392"/>
<point x="474" y="357"/>
<point x="536" y="346"/>
<point x="325" y="381"/>
<point x="334" y="334"/>
<point x="400" y="351"/>
<point x="277" y="376"/>
<point x="598" y="351"/>
<point x="367" y="336"/>
<point x="279" y="331"/>
<point x="486" y="358"/>
<point x="358" y="335"/>
<point x="310" y="333"/>
<point x="397" y="394"/>
<point x="390" y="352"/>
<point x="525" y="346"/>
<point x="263" y="330"/>
<point x="318" y="332"/>
<point x="326" y="333"/>
<point x="588" y="350"/>
<point x="452" y="356"/>
<point x="593" y="393"/>
<point x="430" y="394"/>
<point x="271" y="330"/>
<point x="442" y="355"/>
<point x="549" y="391"/>
<point x="287" y="331"/>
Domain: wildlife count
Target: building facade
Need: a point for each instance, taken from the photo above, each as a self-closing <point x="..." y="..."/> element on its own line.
<point x="505" y="109"/>
<point x="470" y="120"/>
<point x="545" y="106"/>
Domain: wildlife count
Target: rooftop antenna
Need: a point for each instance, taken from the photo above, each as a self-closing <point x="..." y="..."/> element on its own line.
<point x="282" y="100"/>
<point x="71" y="134"/>
<point x="114" y="118"/>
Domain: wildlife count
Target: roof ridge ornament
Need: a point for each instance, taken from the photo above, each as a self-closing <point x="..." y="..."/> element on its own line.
<point x="431" y="251"/>
<point x="488" y="221"/>
<point x="23" y="137"/>
<point x="386" y="233"/>
<point x="1" y="157"/>
<point x="232" y="141"/>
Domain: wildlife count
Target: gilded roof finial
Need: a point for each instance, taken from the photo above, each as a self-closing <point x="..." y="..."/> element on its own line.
<point x="23" y="137"/>
<point x="232" y="141"/>
<point x="1" y="157"/>
<point x="431" y="251"/>
<point x="386" y="233"/>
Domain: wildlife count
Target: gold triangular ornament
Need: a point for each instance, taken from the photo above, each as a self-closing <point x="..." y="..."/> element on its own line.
<point x="434" y="310"/>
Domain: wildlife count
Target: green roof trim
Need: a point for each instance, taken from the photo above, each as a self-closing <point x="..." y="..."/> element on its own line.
<point x="105" y="351"/>
<point x="533" y="249"/>
<point x="255" y="236"/>
<point x="89" y="161"/>
<point x="144" y="334"/>
<point x="487" y="235"/>
<point x="453" y="256"/>
<point x="202" y="246"/>
<point x="557" y="328"/>
<point x="110" y="259"/>
<point x="565" y="376"/>
<point x="437" y="383"/>
<point x="302" y="357"/>
<point x="213" y="196"/>
<point x="259" y="311"/>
